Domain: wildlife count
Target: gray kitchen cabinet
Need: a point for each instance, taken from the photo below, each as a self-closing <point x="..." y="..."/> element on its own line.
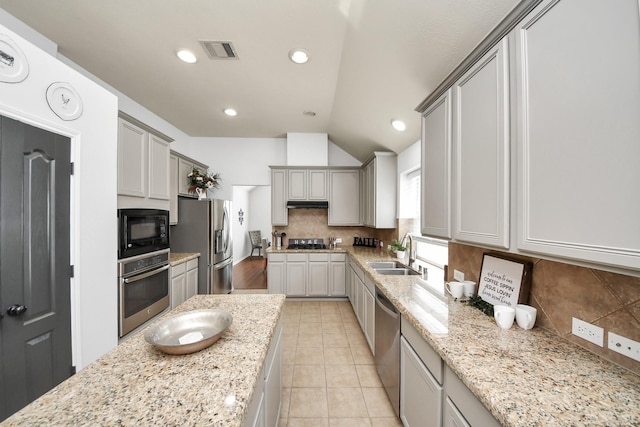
<point x="436" y="169"/>
<point x="379" y="190"/>
<point x="307" y="184"/>
<point x="276" y="273"/>
<point x="318" y="283"/>
<point x="143" y="167"/>
<point x="173" y="188"/>
<point x="363" y="302"/>
<point x="297" y="184"/>
<point x="421" y="379"/>
<point x="344" y="197"/>
<point x="369" y="312"/>
<point x="481" y="151"/>
<point x="265" y="405"/>
<point x="132" y="159"/>
<point x="185" y="166"/>
<point x="463" y="405"/>
<point x="159" y="171"/>
<point x="578" y="131"/>
<point x="184" y="282"/>
<point x="279" y="192"/>
<point x="179" y="167"/>
<point x="338" y="275"/>
<point x="315" y="274"/>
<point x="296" y="275"/>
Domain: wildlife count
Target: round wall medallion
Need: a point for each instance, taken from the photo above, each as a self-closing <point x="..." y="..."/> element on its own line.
<point x="14" y="67"/>
<point x="64" y="101"/>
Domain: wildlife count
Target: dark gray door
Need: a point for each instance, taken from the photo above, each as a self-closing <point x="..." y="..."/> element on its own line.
<point x="35" y="327"/>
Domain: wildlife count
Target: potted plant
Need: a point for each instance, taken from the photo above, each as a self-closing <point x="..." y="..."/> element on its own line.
<point x="199" y="182"/>
<point x="398" y="248"/>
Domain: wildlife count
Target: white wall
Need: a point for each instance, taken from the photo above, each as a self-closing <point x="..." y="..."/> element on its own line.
<point x="260" y="210"/>
<point x="241" y="243"/>
<point x="94" y="203"/>
<point x="240" y="161"/>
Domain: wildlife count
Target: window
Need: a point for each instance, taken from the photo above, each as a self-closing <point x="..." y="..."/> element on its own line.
<point x="410" y="199"/>
<point x="432" y="254"/>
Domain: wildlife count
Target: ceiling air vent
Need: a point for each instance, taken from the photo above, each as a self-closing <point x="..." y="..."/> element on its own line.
<point x="219" y="50"/>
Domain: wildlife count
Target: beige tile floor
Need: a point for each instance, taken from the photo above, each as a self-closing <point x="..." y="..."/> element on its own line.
<point x="329" y="378"/>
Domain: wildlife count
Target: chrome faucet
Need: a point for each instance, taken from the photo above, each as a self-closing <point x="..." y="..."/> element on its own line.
<point x="412" y="249"/>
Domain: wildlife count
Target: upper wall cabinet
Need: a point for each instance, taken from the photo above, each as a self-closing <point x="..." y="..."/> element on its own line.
<point x="379" y="190"/>
<point x="307" y="184"/>
<point x="143" y="168"/>
<point x="578" y="131"/>
<point x="344" y="197"/>
<point x="180" y="167"/>
<point x="279" y="192"/>
<point x="481" y="151"/>
<point x="436" y="168"/>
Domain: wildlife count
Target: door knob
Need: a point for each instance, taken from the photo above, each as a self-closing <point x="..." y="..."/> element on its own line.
<point x="16" y="310"/>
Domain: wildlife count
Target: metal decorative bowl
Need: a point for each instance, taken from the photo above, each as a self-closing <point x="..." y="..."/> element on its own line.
<point x="188" y="332"/>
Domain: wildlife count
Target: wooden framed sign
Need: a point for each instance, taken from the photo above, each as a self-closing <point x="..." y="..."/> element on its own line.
<point x="504" y="281"/>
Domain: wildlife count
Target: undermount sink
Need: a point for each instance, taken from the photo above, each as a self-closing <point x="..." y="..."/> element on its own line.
<point x="392" y="268"/>
<point x="385" y="264"/>
<point x="396" y="271"/>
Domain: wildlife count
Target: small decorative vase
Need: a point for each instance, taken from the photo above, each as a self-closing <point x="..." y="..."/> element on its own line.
<point x="400" y="254"/>
<point x="202" y="193"/>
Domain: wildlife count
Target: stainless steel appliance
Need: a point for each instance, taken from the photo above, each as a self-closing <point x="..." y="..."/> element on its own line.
<point x="306" y="244"/>
<point x="141" y="231"/>
<point x="143" y="289"/>
<point x="387" y="348"/>
<point x="205" y="226"/>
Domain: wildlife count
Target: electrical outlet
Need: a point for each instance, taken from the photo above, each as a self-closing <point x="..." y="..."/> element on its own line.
<point x="587" y="331"/>
<point x="338" y="239"/>
<point x="458" y="275"/>
<point x="624" y="346"/>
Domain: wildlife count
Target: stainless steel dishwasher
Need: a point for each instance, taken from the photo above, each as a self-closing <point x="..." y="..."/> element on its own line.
<point x="387" y="346"/>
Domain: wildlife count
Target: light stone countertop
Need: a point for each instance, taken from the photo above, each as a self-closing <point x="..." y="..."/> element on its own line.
<point x="135" y="384"/>
<point x="176" y="258"/>
<point x="524" y="378"/>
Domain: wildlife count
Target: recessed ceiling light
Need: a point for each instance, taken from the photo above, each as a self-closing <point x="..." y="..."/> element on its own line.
<point x="187" y="56"/>
<point x="398" y="125"/>
<point x="299" y="56"/>
<point x="230" y="112"/>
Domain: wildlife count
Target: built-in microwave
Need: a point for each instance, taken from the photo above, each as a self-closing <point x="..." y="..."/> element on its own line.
<point x="142" y="231"/>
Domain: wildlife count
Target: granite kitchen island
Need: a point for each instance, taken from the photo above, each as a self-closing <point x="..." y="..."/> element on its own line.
<point x="135" y="384"/>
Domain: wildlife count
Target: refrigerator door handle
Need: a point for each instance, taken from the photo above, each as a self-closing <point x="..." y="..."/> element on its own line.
<point x="222" y="264"/>
<point x="225" y="229"/>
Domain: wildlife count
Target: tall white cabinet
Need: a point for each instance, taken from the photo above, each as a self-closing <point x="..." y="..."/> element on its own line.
<point x="436" y="169"/>
<point x="578" y="131"/>
<point x="379" y="178"/>
<point x="344" y="200"/>
<point x="481" y="151"/>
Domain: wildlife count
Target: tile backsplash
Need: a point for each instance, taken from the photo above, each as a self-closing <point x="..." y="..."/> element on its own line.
<point x="561" y="291"/>
<point x="312" y="223"/>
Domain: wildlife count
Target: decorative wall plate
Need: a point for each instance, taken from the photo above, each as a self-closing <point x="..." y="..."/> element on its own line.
<point x="14" y="67"/>
<point x="64" y="101"/>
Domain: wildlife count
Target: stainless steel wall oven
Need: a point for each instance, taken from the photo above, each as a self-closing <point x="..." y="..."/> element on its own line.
<point x="143" y="289"/>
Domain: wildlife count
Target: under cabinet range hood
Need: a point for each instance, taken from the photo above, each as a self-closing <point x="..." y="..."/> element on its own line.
<point x="297" y="204"/>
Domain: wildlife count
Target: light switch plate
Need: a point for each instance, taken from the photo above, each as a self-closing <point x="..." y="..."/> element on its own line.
<point x="458" y="275"/>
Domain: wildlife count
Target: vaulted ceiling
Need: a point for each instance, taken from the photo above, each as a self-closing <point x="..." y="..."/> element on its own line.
<point x="371" y="61"/>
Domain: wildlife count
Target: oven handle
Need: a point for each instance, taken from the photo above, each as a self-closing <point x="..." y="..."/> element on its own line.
<point x="147" y="274"/>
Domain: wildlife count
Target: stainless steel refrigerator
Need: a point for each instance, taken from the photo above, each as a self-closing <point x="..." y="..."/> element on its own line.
<point x="205" y="226"/>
